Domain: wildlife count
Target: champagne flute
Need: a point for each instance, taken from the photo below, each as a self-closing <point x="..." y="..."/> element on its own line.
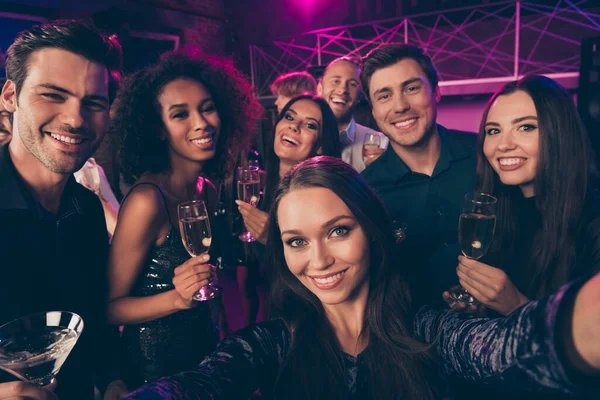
<point x="371" y="145"/>
<point x="248" y="190"/>
<point x="476" y="228"/>
<point x="33" y="348"/>
<point x="195" y="234"/>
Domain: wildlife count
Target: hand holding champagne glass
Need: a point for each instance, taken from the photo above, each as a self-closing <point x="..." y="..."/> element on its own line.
<point x="372" y="147"/>
<point x="476" y="228"/>
<point x="196" y="236"/>
<point x="248" y="191"/>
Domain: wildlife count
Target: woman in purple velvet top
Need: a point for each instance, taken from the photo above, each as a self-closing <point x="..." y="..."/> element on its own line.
<point x="346" y="331"/>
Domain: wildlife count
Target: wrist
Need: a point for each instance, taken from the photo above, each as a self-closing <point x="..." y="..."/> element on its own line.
<point x="523" y="300"/>
<point x="178" y="303"/>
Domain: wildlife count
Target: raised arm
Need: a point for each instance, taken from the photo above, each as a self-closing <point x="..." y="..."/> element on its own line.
<point x="530" y="348"/>
<point x="240" y="365"/>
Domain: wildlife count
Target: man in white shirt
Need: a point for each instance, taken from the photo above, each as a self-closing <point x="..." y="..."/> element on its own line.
<point x="340" y="87"/>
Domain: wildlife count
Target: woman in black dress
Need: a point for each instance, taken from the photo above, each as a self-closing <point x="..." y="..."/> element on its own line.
<point x="185" y="117"/>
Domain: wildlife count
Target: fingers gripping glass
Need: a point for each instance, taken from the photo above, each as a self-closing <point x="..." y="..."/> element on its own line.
<point x="248" y="191"/>
<point x="476" y="228"/>
<point x="196" y="236"/>
<point x="371" y="145"/>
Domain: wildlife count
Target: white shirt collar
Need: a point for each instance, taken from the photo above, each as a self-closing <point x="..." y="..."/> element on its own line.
<point x="350" y="130"/>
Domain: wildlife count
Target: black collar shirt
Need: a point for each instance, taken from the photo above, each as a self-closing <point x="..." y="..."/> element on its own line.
<point x="427" y="208"/>
<point x="57" y="262"/>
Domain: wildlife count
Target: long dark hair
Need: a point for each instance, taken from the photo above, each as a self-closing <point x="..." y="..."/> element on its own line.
<point x="329" y="142"/>
<point x="139" y="126"/>
<point x="314" y="368"/>
<point x="560" y="187"/>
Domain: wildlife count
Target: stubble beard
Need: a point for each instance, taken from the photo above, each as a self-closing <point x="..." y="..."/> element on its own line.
<point x="55" y="160"/>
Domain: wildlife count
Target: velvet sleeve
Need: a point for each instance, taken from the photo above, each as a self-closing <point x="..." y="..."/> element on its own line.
<point x="241" y="364"/>
<point x="523" y="350"/>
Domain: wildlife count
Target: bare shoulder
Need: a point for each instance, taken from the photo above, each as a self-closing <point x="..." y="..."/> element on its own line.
<point x="144" y="199"/>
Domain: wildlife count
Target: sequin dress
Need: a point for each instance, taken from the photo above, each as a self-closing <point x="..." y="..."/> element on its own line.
<point x="174" y="343"/>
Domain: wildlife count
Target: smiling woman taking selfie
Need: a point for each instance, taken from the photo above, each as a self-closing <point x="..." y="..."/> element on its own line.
<point x="534" y="157"/>
<point x="346" y="331"/>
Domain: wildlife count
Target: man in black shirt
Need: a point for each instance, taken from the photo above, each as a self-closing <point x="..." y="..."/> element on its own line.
<point x="426" y="171"/>
<point x="62" y="78"/>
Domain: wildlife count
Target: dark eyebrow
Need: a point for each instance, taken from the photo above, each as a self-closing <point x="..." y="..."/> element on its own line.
<point x="310" y="118"/>
<point x="388" y="89"/>
<point x="182" y="105"/>
<point x="517" y="120"/>
<point x="326" y="225"/>
<point x="492" y="124"/>
<point x="65" y="91"/>
<point x="514" y="121"/>
<point x="332" y="221"/>
<point x="385" y="89"/>
<point x="185" y="105"/>
<point x="411" y="81"/>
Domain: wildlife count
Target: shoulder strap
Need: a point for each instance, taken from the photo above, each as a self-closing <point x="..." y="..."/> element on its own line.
<point x="159" y="191"/>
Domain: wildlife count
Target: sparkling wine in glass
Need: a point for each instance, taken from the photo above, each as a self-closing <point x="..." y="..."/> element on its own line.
<point x="476" y="228"/>
<point x="33" y="348"/>
<point x="194" y="226"/>
<point x="372" y="145"/>
<point x="248" y="190"/>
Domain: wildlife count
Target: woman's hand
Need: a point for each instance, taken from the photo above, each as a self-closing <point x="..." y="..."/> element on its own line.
<point x="491" y="286"/>
<point x="478" y="309"/>
<point x="24" y="390"/>
<point x="256" y="221"/>
<point x="581" y="333"/>
<point x="115" y="390"/>
<point x="189" y="277"/>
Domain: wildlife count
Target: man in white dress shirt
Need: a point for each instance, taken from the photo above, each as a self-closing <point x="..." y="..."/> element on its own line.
<point x="340" y="86"/>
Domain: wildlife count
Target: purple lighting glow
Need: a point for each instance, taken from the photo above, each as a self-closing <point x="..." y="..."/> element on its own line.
<point x="475" y="48"/>
<point x="307" y="9"/>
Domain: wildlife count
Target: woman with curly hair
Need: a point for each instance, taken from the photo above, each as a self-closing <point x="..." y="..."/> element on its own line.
<point x="185" y="117"/>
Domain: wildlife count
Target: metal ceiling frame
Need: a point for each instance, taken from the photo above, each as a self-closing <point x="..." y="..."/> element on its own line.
<point x="451" y="37"/>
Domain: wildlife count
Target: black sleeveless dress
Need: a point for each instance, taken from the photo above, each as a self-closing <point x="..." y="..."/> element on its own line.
<point x="174" y="343"/>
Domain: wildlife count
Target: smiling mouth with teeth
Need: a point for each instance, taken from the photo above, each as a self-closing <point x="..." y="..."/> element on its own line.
<point x="339" y="101"/>
<point x="288" y="140"/>
<point x="511" y="161"/>
<point x="404" y="123"/>
<point x="205" y="140"/>
<point x="66" y="139"/>
<point x="329" y="279"/>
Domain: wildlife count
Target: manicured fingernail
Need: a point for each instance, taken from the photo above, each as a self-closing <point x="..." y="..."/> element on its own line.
<point x="205" y="257"/>
<point x="237" y="202"/>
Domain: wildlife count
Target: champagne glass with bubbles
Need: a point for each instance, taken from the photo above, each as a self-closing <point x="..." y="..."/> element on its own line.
<point x="33" y="348"/>
<point x="196" y="236"/>
<point x="248" y="190"/>
<point x="476" y="228"/>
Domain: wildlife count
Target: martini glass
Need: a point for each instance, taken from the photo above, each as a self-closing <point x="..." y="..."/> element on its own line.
<point x="34" y="347"/>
